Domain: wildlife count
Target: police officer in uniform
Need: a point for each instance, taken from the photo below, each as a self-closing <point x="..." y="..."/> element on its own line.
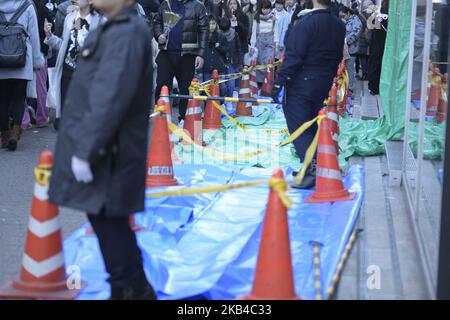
<point x="314" y="49"/>
<point x="100" y="157"/>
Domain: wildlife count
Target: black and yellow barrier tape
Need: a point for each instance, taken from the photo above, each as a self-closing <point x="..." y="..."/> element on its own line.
<point x="335" y="280"/>
<point x="278" y="185"/>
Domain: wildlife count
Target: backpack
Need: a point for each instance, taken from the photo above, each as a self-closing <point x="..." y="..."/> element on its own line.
<point x="13" y="37"/>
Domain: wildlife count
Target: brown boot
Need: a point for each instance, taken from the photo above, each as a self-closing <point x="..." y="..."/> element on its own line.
<point x="5" y="138"/>
<point x="15" y="136"/>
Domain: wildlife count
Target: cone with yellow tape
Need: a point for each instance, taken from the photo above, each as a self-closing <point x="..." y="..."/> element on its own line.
<point x="274" y="277"/>
<point x="159" y="163"/>
<point x="43" y="273"/>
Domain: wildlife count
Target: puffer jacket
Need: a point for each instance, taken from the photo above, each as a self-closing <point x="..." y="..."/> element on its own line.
<point x="215" y="58"/>
<point x="354" y="28"/>
<point x="195" y="27"/>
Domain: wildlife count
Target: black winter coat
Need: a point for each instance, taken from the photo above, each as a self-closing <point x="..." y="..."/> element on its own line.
<point x="243" y="29"/>
<point x="106" y="120"/>
<point x="215" y="58"/>
<point x="195" y="28"/>
<point x="314" y="49"/>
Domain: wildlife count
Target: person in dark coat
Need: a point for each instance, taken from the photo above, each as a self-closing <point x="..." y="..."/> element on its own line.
<point x="182" y="49"/>
<point x="240" y="23"/>
<point x="216" y="52"/>
<point x="314" y="50"/>
<point x="100" y="156"/>
<point x="377" y="44"/>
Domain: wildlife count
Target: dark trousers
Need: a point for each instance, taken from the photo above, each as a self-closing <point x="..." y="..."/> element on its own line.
<point x="66" y="77"/>
<point x="362" y="61"/>
<point x="13" y="93"/>
<point x="121" y="254"/>
<point x="171" y="64"/>
<point x="374" y="73"/>
<point x="303" y="105"/>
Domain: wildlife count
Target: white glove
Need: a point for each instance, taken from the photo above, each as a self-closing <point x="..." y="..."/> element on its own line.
<point x="81" y="170"/>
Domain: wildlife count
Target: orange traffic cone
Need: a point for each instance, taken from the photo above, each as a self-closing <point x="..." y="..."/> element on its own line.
<point x="168" y="111"/>
<point x="193" y="119"/>
<point x="244" y="109"/>
<point x="43" y="273"/>
<point x="443" y="101"/>
<point x="333" y="116"/>
<point x="211" y="118"/>
<point x="253" y="83"/>
<point x="329" y="186"/>
<point x="266" y="89"/>
<point x="274" y="278"/>
<point x="159" y="163"/>
<point x="434" y="93"/>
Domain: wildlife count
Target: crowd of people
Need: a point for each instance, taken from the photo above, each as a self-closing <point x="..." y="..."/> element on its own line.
<point x="214" y="34"/>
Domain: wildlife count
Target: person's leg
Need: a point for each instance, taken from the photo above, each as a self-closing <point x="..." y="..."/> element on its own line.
<point x="18" y="96"/>
<point x="122" y="258"/>
<point x="41" y="88"/>
<point x="165" y="73"/>
<point x="364" y="65"/>
<point x="66" y="77"/>
<point x="350" y="65"/>
<point x="5" y="97"/>
<point x="297" y="111"/>
<point x="184" y="74"/>
<point x="357" y="64"/>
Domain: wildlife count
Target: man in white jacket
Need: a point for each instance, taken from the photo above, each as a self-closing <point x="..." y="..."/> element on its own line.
<point x="13" y="81"/>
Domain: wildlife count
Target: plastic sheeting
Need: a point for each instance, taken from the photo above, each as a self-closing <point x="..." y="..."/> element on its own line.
<point x="207" y="244"/>
<point x="235" y="141"/>
<point x="367" y="137"/>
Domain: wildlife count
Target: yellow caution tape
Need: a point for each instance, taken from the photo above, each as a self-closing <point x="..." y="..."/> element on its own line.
<point x="229" y="157"/>
<point x="309" y="154"/>
<point x="214" y="153"/>
<point x="278" y="185"/>
<point x="237" y="75"/>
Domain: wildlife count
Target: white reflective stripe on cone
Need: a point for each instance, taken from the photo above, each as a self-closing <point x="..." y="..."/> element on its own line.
<point x="333" y="116"/>
<point x="160" y="170"/>
<point x="244" y="91"/>
<point x="169" y="117"/>
<point x="329" y="173"/>
<point x="43" y="229"/>
<point x="245" y="77"/>
<point x="253" y="84"/>
<point x="39" y="269"/>
<point x="326" y="149"/>
<point x="41" y="192"/>
<point x="191" y="111"/>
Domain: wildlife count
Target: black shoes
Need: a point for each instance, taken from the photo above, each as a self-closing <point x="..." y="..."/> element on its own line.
<point x="142" y="292"/>
<point x="309" y="181"/>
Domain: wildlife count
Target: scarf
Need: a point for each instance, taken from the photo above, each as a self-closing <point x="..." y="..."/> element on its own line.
<point x="229" y="34"/>
<point x="267" y="17"/>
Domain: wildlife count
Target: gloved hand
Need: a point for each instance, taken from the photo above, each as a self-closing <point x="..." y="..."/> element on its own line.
<point x="81" y="170"/>
<point x="275" y="93"/>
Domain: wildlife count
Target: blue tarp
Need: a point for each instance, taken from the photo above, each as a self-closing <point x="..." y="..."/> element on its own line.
<point x="207" y="244"/>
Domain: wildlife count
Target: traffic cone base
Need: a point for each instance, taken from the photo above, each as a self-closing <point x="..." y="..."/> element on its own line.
<point x="20" y="290"/>
<point x="335" y="196"/>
